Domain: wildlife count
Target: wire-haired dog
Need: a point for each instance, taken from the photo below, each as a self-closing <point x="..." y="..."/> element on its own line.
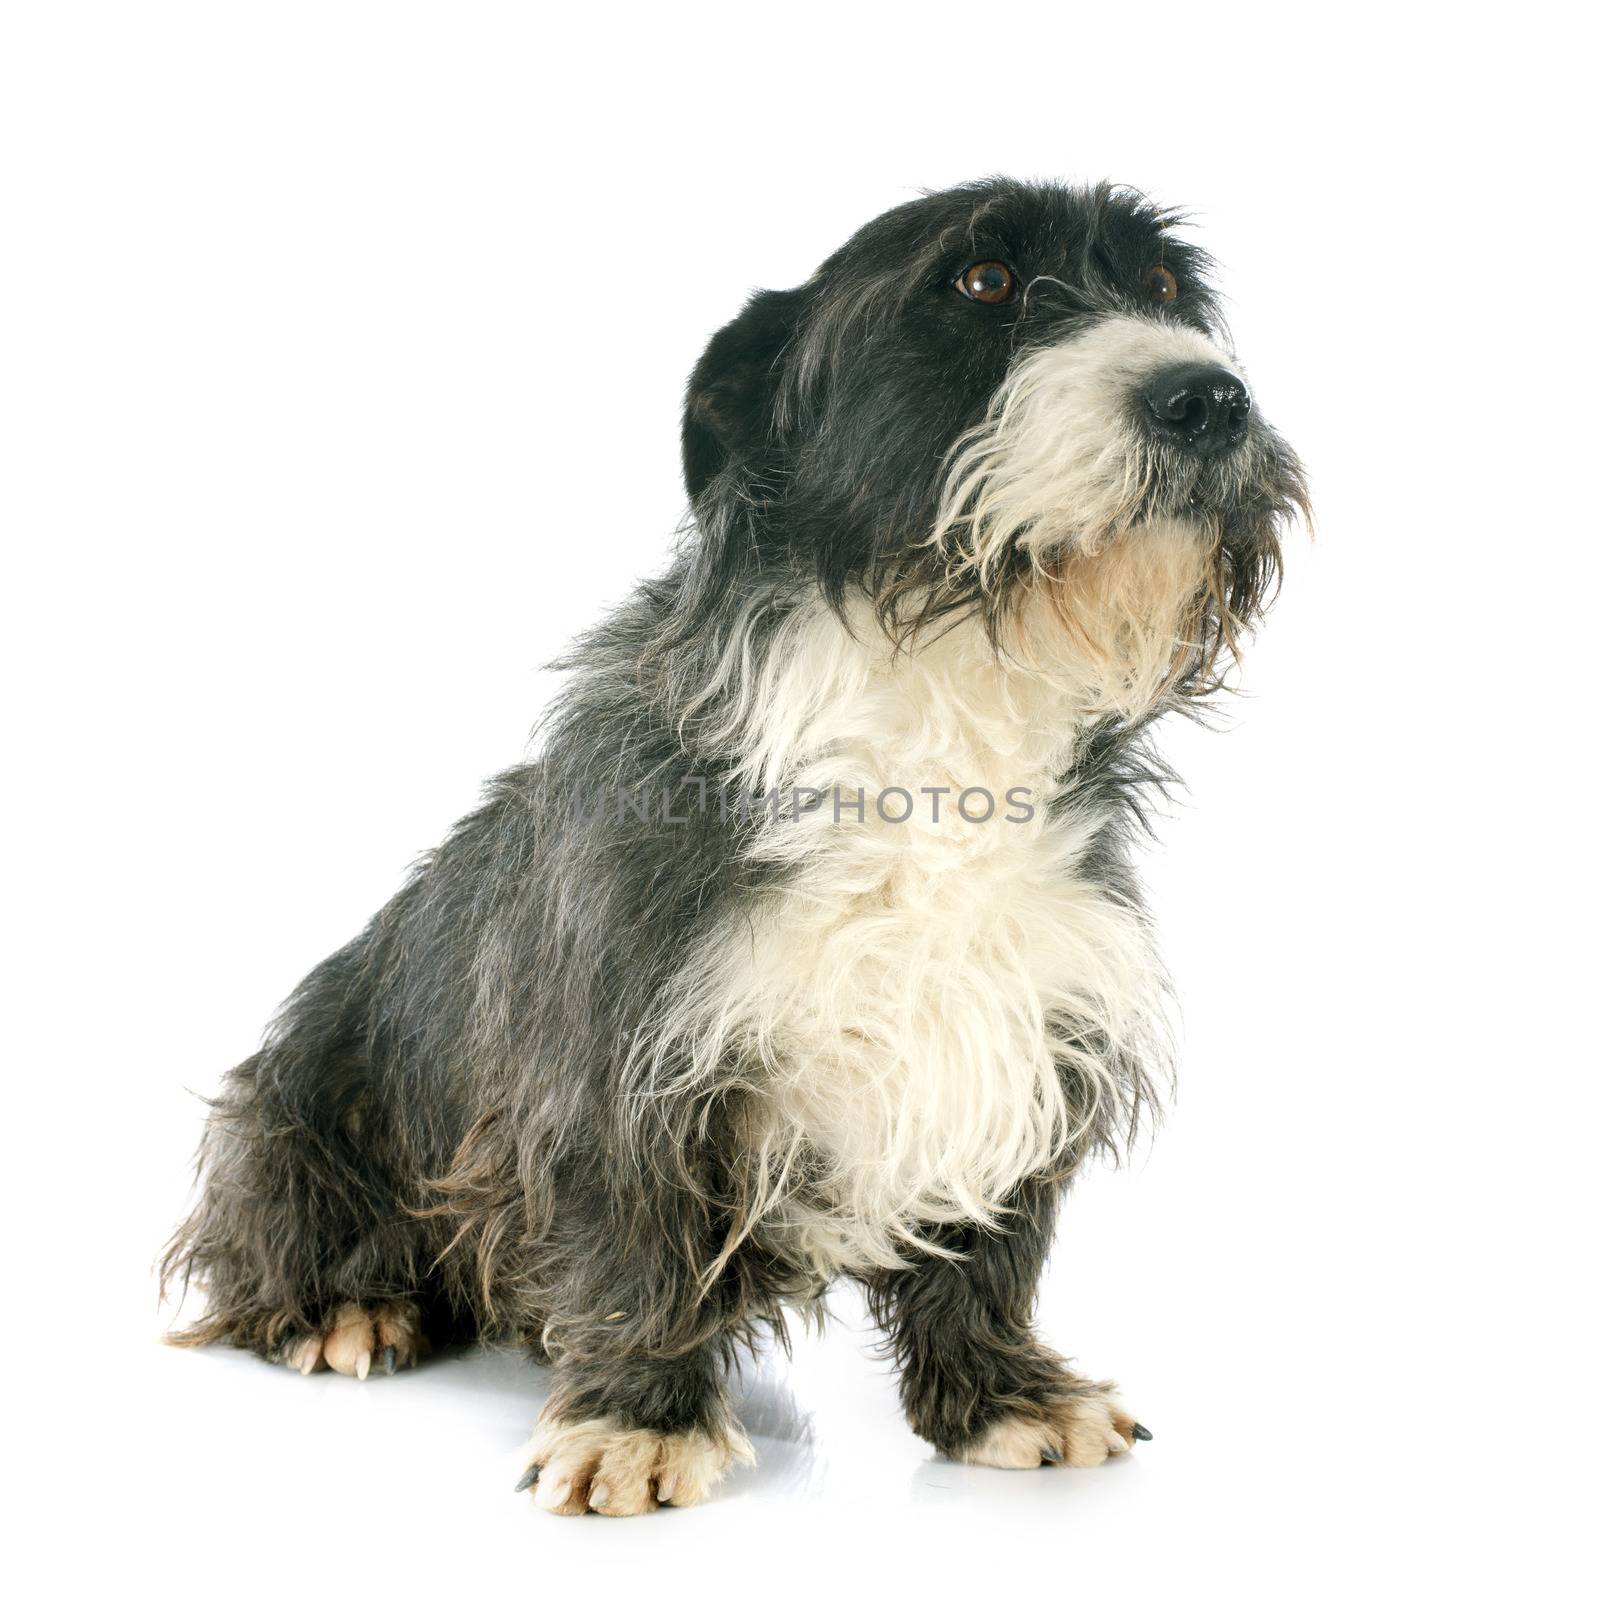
<point x="808" y="945"/>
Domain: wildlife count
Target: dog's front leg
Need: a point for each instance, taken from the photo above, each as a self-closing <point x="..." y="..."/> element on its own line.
<point x="974" y="1378"/>
<point x="626" y="1431"/>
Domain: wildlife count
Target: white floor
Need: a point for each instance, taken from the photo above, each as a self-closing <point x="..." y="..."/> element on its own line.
<point x="325" y="1475"/>
<point x="212" y="1473"/>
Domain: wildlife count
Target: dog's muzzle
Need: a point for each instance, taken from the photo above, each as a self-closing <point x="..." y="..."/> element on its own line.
<point x="1201" y="409"/>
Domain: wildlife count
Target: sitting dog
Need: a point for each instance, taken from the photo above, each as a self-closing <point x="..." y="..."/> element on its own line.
<point x="808" y="944"/>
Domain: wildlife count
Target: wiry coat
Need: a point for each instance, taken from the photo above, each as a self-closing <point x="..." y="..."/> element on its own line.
<point x="640" y="1054"/>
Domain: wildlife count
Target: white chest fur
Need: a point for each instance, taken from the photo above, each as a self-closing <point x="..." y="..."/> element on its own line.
<point x="914" y="989"/>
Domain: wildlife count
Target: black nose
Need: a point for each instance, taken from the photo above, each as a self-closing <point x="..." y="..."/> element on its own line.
<point x="1198" y="408"/>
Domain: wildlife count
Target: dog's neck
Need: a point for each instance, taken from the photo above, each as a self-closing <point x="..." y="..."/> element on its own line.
<point x="836" y="702"/>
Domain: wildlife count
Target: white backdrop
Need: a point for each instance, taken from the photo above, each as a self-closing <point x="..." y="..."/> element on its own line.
<point x="325" y="328"/>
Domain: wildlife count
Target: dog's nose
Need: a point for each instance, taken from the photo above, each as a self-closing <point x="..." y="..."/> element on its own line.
<point x="1199" y="408"/>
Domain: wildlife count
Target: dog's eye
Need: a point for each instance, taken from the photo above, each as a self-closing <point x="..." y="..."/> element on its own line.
<point x="990" y="282"/>
<point x="1160" y="285"/>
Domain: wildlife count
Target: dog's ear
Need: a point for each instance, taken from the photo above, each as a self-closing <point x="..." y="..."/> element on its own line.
<point x="727" y="412"/>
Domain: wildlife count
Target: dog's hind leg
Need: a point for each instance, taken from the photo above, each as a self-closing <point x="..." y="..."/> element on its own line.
<point x="974" y="1378"/>
<point x="301" y="1238"/>
<point x="355" y="1336"/>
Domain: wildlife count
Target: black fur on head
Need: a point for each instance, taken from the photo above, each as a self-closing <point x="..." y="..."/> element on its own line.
<point x="820" y="425"/>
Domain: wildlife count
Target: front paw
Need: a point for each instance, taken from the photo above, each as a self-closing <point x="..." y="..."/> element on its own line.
<point x="600" y="1465"/>
<point x="1079" y="1427"/>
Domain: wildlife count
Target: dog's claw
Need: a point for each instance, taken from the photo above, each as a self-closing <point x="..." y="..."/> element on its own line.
<point x="527" y="1480"/>
<point x="1142" y="1432"/>
<point x="1052" y="1455"/>
<point x="388" y="1359"/>
<point x="363" y="1365"/>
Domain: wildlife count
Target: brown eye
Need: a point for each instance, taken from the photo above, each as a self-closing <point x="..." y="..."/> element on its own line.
<point x="1160" y="285"/>
<point x="990" y="282"/>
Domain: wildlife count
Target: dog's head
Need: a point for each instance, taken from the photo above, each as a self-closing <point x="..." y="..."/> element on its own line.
<point x="988" y="390"/>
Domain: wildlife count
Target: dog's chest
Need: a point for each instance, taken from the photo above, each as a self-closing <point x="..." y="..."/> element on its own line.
<point x="916" y="987"/>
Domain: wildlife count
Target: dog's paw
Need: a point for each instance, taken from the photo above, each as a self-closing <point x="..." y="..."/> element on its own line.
<point x="388" y="1334"/>
<point x="597" y="1465"/>
<point x="1080" y="1429"/>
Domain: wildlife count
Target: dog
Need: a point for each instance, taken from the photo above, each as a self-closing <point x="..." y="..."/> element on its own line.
<point x="808" y="945"/>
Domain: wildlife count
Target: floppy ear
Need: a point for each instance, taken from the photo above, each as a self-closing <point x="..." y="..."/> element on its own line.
<point x="727" y="412"/>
